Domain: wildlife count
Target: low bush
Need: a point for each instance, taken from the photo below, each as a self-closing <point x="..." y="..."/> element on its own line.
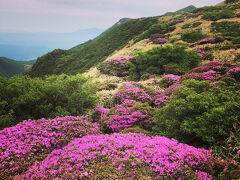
<point x="33" y="98"/>
<point x="231" y="1"/>
<point x="115" y="66"/>
<point x="125" y="156"/>
<point x="30" y="140"/>
<point x="199" y="113"/>
<point x="226" y="28"/>
<point x="236" y="40"/>
<point x="192" y="36"/>
<point x="160" y="60"/>
<point x="216" y="15"/>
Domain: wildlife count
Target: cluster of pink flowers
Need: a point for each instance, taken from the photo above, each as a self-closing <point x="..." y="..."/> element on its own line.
<point x="120" y="60"/>
<point x="213" y="70"/>
<point x="90" y="156"/>
<point x="160" y="40"/>
<point x="116" y="66"/>
<point x="161" y="101"/>
<point x="207" y="40"/>
<point x="132" y="91"/>
<point x="123" y="116"/>
<point x="171" y="78"/>
<point x="219" y="67"/>
<point x="234" y="72"/>
<point x="29" y="140"/>
<point x="201" y="52"/>
<point x="147" y="40"/>
<point x="209" y="75"/>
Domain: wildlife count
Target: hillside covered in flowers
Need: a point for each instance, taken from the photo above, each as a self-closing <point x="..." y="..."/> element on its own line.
<point x="164" y="106"/>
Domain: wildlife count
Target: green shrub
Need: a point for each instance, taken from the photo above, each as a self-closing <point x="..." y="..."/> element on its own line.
<point x="159" y="29"/>
<point x="185" y="26"/>
<point x="26" y="98"/>
<point x="191" y="25"/>
<point x="155" y="61"/>
<point x="226" y="28"/>
<point x="193" y="36"/>
<point x="199" y="114"/>
<point x="231" y="1"/>
<point x="207" y="8"/>
<point x="216" y="15"/>
<point x="236" y="40"/>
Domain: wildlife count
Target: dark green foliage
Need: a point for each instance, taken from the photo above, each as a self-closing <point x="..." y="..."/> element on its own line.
<point x="23" y="97"/>
<point x="226" y="28"/>
<point x="216" y="15"/>
<point x="193" y="36"/>
<point x="84" y="56"/>
<point x="231" y="1"/>
<point x="207" y="8"/>
<point x="191" y="25"/>
<point x="9" y="67"/>
<point x="156" y="60"/>
<point x="181" y="11"/>
<point x="236" y="40"/>
<point x="157" y="30"/>
<point x="199" y="114"/>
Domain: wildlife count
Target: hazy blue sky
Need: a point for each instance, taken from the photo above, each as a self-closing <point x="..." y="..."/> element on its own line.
<point x="71" y="15"/>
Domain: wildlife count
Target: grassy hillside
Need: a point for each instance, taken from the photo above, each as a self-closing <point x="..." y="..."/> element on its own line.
<point x="84" y="56"/>
<point x="9" y="67"/>
<point x="166" y="105"/>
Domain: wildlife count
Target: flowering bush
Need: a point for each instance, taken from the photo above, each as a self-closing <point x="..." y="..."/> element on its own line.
<point x="207" y="40"/>
<point x="209" y="75"/>
<point x="132" y="91"/>
<point x="127" y="156"/>
<point x="160" y="40"/>
<point x="235" y="73"/>
<point x="219" y="67"/>
<point x="30" y="140"/>
<point x="115" y="66"/>
<point x="125" y="115"/>
<point x="200" y="52"/>
<point x="155" y="98"/>
<point x="169" y="79"/>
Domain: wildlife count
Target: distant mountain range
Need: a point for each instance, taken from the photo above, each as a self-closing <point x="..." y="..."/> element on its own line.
<point x="24" y="46"/>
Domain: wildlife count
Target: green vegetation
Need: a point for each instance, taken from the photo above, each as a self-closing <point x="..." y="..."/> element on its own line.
<point x="9" y="67"/>
<point x="231" y="1"/>
<point x="226" y="28"/>
<point x="191" y="25"/>
<point x="236" y="40"/>
<point x="160" y="60"/>
<point x="82" y="57"/>
<point x="23" y="97"/>
<point x="181" y="11"/>
<point x="192" y="36"/>
<point x="216" y="15"/>
<point x="199" y="113"/>
<point x="207" y="8"/>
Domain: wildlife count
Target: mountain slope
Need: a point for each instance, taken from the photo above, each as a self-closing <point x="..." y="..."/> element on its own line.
<point x="9" y="67"/>
<point x="84" y="56"/>
<point x="180" y="11"/>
